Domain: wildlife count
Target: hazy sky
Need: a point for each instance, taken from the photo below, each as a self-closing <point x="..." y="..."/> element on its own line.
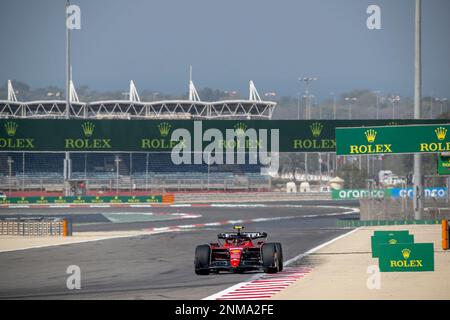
<point x="228" y="42"/>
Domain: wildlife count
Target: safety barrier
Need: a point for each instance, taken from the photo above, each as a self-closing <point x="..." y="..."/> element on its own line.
<point x="35" y="227"/>
<point x="88" y="200"/>
<point x="445" y="234"/>
<point x="239" y="197"/>
<point x="368" y="223"/>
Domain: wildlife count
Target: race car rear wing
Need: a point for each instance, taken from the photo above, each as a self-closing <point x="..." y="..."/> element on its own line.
<point x="233" y="235"/>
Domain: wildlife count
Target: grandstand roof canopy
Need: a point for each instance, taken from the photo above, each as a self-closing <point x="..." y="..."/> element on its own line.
<point x="193" y="108"/>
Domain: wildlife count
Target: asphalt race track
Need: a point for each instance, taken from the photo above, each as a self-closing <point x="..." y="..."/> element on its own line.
<point x="157" y="266"/>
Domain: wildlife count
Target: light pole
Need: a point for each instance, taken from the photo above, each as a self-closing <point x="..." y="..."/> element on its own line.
<point x="117" y="161"/>
<point x="146" y="172"/>
<point x="10" y="162"/>
<point x="418" y="183"/>
<point x="67" y="162"/>
<point x="431" y="106"/>
<point x="208" y="169"/>
<point x="377" y="92"/>
<point x="393" y="100"/>
<point x="441" y="103"/>
<point x="350" y="101"/>
<point x="320" y="110"/>
<point x="334" y="105"/>
<point x="307" y="81"/>
<point x="334" y="118"/>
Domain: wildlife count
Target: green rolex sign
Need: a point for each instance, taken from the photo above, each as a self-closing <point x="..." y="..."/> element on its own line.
<point x="163" y="135"/>
<point x="389" y="237"/>
<point x="406" y="257"/>
<point x="443" y="165"/>
<point x="393" y="139"/>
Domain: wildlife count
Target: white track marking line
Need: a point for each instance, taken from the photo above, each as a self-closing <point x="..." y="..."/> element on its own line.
<point x="231" y="205"/>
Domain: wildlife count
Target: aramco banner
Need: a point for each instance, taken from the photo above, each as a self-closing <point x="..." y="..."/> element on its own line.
<point x="190" y="135"/>
<point x="352" y="194"/>
<point x="422" y="138"/>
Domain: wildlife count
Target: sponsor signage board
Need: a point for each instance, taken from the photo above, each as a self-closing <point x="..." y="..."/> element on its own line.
<point x="82" y="200"/>
<point x="406" y="257"/>
<point x="389" y="237"/>
<point x="428" y="192"/>
<point x="443" y="164"/>
<point x="353" y="194"/>
<point x="73" y="135"/>
<point x="393" y="139"/>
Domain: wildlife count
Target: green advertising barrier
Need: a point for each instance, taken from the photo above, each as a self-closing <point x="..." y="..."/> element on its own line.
<point x="443" y="165"/>
<point x="365" y="223"/>
<point x="393" y="139"/>
<point x="390" y="238"/>
<point x="162" y="135"/>
<point x="406" y="257"/>
<point x="83" y="200"/>
<point x="351" y="194"/>
<point x="381" y="233"/>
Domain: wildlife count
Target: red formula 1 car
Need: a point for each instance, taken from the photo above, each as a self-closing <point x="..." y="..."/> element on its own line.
<point x="238" y="252"/>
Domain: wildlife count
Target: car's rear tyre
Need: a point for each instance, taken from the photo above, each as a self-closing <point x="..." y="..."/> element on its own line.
<point x="270" y="258"/>
<point x="202" y="259"/>
<point x="280" y="256"/>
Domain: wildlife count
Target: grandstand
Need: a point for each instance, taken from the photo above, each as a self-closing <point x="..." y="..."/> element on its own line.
<point x="129" y="171"/>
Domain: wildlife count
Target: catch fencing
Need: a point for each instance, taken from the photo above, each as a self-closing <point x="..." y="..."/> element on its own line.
<point x="35" y="227"/>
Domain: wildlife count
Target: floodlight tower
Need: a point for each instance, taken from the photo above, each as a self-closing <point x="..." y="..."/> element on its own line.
<point x="418" y="183"/>
<point x="67" y="162"/>
<point x="307" y="81"/>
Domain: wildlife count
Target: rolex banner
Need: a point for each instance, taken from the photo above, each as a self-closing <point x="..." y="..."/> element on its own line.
<point x="389" y="237"/>
<point x="393" y="139"/>
<point x="61" y="135"/>
<point x="406" y="257"/>
<point x="84" y="200"/>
